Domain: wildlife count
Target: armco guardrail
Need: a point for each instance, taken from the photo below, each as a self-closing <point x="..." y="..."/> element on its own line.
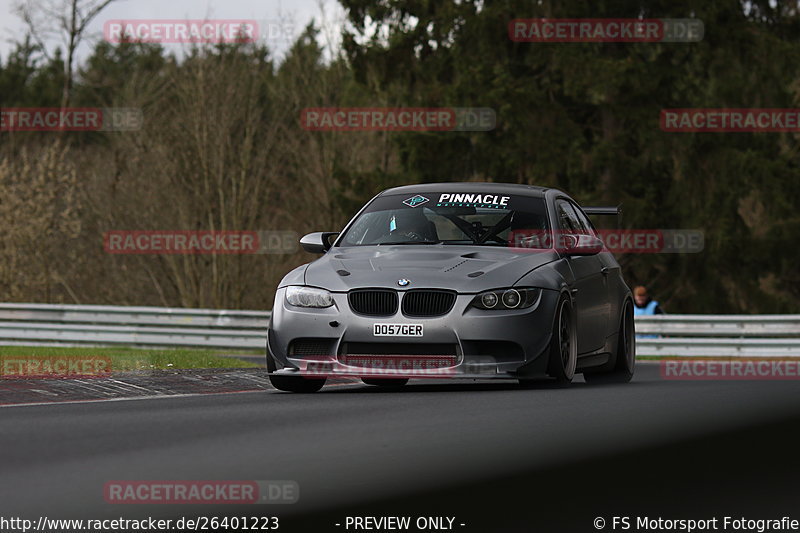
<point x="718" y="335"/>
<point x="98" y="325"/>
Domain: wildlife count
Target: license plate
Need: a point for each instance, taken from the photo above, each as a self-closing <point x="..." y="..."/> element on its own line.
<point x="397" y="330"/>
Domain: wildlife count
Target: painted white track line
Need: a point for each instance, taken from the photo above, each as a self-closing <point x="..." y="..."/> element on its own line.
<point x="185" y="395"/>
<point x="159" y="397"/>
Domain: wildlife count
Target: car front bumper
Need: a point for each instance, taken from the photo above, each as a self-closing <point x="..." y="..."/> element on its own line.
<point x="465" y="343"/>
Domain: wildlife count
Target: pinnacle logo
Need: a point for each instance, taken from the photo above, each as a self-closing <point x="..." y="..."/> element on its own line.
<point x="414" y="201"/>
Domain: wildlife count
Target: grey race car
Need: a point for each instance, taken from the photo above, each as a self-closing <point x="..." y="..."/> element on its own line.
<point x="455" y="280"/>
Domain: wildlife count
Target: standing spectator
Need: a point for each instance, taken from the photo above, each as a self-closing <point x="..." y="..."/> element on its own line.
<point x="643" y="304"/>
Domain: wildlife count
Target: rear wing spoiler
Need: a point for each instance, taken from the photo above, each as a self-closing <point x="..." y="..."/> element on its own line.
<point x="603" y="210"/>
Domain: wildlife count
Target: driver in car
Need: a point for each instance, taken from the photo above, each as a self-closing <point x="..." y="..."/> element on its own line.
<point x="411" y="225"/>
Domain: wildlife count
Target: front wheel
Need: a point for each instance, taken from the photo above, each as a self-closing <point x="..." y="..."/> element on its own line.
<point x="291" y="383"/>
<point x="296" y="383"/>
<point x="626" y="353"/>
<point x="385" y="382"/>
<point x="563" y="345"/>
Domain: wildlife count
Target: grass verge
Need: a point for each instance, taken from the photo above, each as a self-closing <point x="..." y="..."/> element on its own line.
<point x="129" y="359"/>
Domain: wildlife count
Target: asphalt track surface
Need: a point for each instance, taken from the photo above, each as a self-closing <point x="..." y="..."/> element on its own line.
<point x="492" y="455"/>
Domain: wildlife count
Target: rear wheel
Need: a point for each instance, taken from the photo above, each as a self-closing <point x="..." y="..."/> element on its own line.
<point x="384" y="382"/>
<point x="626" y="353"/>
<point x="296" y="383"/>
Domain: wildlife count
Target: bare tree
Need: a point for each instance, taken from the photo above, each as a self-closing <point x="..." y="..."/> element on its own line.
<point x="63" y="19"/>
<point x="40" y="215"/>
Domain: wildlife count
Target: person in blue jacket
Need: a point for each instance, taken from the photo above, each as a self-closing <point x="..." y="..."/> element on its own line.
<point x="643" y="304"/>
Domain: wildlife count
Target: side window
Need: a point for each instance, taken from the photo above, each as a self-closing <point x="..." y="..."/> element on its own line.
<point x="584" y="221"/>
<point x="567" y="219"/>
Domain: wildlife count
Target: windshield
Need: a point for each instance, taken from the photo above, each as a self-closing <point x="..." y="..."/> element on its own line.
<point x="483" y="219"/>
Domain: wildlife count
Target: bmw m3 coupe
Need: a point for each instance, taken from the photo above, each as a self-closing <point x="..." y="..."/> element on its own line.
<point x="455" y="280"/>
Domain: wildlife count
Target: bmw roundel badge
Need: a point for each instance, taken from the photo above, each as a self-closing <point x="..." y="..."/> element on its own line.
<point x="403" y="282"/>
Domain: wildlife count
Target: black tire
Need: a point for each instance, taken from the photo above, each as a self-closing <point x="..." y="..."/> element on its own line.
<point x="563" y="346"/>
<point x="296" y="383"/>
<point x="271" y="366"/>
<point x="291" y="383"/>
<point x="625" y="362"/>
<point x="385" y="382"/>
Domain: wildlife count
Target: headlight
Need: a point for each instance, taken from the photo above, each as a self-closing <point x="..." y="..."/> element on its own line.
<point x="308" y="297"/>
<point x="506" y="299"/>
<point x="489" y="300"/>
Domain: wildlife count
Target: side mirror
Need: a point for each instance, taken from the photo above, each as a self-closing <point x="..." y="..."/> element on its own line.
<point x="318" y="242"/>
<point x="580" y="244"/>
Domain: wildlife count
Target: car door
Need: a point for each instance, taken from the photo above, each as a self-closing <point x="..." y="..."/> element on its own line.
<point x="590" y="289"/>
<point x="609" y="268"/>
